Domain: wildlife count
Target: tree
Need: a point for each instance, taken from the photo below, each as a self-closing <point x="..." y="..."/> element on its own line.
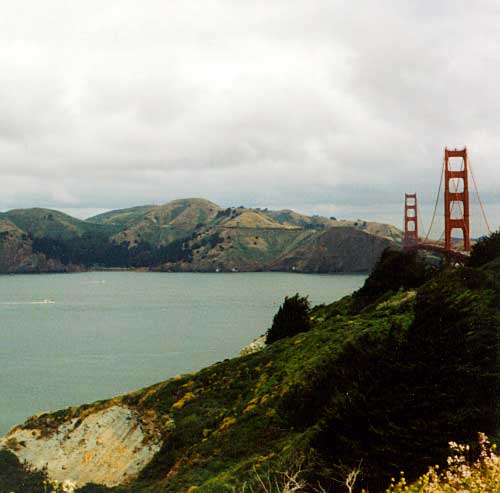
<point x="485" y="250"/>
<point x="291" y="318"/>
<point x="395" y="269"/>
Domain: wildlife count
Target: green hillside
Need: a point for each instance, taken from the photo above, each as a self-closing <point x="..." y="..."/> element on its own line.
<point x="296" y="219"/>
<point x="54" y="224"/>
<point x="186" y="216"/>
<point x="159" y="224"/>
<point x="384" y="379"/>
<point x="122" y="217"/>
<point x="8" y="228"/>
<point x="242" y="248"/>
<point x="166" y="223"/>
<point x="336" y="249"/>
<point x="190" y="235"/>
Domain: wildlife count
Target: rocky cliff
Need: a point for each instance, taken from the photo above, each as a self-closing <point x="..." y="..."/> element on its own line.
<point x="107" y="446"/>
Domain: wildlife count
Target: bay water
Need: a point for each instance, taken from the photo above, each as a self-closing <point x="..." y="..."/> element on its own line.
<point x="67" y="339"/>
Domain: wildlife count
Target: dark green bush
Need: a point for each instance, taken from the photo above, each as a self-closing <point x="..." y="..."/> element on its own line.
<point x="393" y="396"/>
<point x="292" y="318"/>
<point x="396" y="269"/>
<point x="93" y="488"/>
<point x="485" y="250"/>
<point x="14" y="477"/>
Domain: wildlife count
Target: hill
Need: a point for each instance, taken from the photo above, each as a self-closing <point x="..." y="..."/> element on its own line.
<point x="121" y="217"/>
<point x="54" y="224"/>
<point x="190" y="235"/>
<point x="20" y="229"/>
<point x="16" y="251"/>
<point x="343" y="249"/>
<point x="166" y="223"/>
<point x="384" y="378"/>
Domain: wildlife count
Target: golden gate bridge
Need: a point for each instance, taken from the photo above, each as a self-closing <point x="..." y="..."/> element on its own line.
<point x="455" y="175"/>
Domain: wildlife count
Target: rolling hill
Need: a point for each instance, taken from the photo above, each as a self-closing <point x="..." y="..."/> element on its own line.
<point x="54" y="224"/>
<point x="163" y="223"/>
<point x="189" y="235"/>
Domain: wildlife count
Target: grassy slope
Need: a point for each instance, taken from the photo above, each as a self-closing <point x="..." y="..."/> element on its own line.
<point x="121" y="216"/>
<point x="51" y="223"/>
<point x="247" y="248"/>
<point x="254" y="239"/>
<point x="335" y="249"/>
<point x="296" y="219"/>
<point x="166" y="223"/>
<point x="388" y="384"/>
<point x="161" y="223"/>
<point x="12" y="243"/>
<point x="173" y="220"/>
<point x="257" y="220"/>
<point x="8" y="228"/>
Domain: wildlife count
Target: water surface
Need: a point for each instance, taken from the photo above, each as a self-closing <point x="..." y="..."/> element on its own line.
<point x="66" y="339"/>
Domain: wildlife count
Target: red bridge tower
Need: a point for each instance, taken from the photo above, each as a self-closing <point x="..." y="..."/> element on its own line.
<point x="411" y="221"/>
<point x="454" y="199"/>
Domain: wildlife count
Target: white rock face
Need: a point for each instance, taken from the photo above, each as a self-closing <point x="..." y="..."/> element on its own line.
<point x="107" y="447"/>
<point x="254" y="346"/>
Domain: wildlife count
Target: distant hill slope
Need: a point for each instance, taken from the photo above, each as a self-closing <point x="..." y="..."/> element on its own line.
<point x="16" y="252"/>
<point x="7" y="227"/>
<point x="344" y="249"/>
<point x="121" y="216"/>
<point x="191" y="235"/>
<point x="54" y="224"/>
<point x="166" y="223"/>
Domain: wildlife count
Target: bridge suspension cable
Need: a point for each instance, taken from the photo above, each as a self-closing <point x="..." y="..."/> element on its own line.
<point x="479" y="198"/>
<point x="456" y="210"/>
<point x="436" y="204"/>
<point x="420" y="221"/>
<point x="483" y="211"/>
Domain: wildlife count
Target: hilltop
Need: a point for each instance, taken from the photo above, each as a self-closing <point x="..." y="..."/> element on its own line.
<point x="384" y="378"/>
<point x="189" y="235"/>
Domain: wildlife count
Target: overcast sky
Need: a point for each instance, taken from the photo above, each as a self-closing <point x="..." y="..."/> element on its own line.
<point x="323" y="106"/>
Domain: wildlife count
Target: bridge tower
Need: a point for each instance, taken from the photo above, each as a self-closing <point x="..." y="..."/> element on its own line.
<point x="411" y="221"/>
<point x="454" y="198"/>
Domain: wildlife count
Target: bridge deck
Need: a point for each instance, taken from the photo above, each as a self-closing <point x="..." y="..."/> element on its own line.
<point x="457" y="255"/>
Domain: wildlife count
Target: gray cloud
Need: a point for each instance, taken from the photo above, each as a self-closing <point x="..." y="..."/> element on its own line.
<point x="323" y="106"/>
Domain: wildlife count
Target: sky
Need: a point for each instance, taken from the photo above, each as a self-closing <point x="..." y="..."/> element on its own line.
<point x="323" y="106"/>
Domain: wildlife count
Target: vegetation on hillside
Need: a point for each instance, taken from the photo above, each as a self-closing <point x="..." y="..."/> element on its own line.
<point x="189" y="234"/>
<point x="14" y="478"/>
<point x="383" y="385"/>
<point x="293" y="317"/>
<point x="395" y="270"/>
<point x="49" y="223"/>
<point x="469" y="469"/>
<point x="486" y="250"/>
<point x="91" y="250"/>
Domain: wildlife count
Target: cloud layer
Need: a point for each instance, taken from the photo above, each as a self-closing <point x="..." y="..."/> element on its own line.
<point x="324" y="106"/>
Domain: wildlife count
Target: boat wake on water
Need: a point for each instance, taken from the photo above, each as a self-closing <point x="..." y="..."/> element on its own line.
<point x="43" y="302"/>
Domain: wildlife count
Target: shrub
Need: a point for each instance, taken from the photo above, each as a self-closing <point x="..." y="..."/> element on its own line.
<point x="15" y="477"/>
<point x="461" y="475"/>
<point x="396" y="269"/>
<point x="292" y="318"/>
<point x="485" y="250"/>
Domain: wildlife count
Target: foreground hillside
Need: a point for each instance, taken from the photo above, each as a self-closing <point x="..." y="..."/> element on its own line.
<point x="384" y="379"/>
<point x="189" y="235"/>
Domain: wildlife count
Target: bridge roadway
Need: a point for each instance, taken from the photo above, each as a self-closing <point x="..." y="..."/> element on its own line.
<point x="456" y="255"/>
